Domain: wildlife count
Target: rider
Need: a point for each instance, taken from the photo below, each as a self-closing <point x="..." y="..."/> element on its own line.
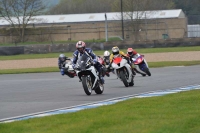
<point x="117" y="52"/>
<point x="131" y="53"/>
<point x="61" y="61"/>
<point x="81" y="48"/>
<point x="106" y="57"/>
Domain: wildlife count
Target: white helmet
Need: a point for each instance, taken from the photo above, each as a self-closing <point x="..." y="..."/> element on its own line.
<point x="62" y="56"/>
<point x="106" y="53"/>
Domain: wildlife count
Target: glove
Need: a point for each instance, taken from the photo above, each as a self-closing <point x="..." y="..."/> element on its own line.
<point x="127" y="58"/>
<point x="133" y="59"/>
<point x="109" y="68"/>
<point x="74" y="66"/>
<point x="94" y="61"/>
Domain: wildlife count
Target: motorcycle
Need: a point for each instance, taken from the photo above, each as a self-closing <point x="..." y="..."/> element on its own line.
<point x="123" y="70"/>
<point x="69" y="71"/>
<point x="88" y="75"/>
<point x="141" y="65"/>
<point x="104" y="67"/>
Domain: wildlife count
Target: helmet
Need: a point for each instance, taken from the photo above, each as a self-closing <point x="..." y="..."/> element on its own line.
<point x="130" y="51"/>
<point x="62" y="57"/>
<point x="106" y="54"/>
<point x="115" y="50"/>
<point x="80" y="46"/>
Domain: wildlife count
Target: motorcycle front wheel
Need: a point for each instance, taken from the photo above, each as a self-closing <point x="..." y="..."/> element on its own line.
<point x="123" y="78"/>
<point x="146" y="70"/>
<point x="87" y="84"/>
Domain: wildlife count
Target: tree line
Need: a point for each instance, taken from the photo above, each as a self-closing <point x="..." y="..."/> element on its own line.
<point x="190" y="7"/>
<point x="101" y="6"/>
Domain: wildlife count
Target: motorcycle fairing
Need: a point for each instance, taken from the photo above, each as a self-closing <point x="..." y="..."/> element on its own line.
<point x="139" y="60"/>
<point x="85" y="67"/>
<point x="121" y="63"/>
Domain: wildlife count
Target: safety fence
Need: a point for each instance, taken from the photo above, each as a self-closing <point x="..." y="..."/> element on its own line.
<point x="59" y="48"/>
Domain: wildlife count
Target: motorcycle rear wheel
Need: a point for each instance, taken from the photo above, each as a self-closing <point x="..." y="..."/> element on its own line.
<point x="99" y="89"/>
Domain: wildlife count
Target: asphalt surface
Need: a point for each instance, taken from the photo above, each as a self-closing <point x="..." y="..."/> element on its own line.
<point x="22" y="94"/>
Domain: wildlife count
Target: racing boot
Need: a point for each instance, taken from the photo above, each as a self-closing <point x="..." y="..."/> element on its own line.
<point x="134" y="73"/>
<point x="102" y="81"/>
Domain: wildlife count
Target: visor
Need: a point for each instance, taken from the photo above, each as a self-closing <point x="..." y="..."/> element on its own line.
<point x="130" y="53"/>
<point x="80" y="49"/>
<point x="116" y="53"/>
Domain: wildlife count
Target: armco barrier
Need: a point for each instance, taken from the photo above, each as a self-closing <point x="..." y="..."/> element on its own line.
<point x="11" y="50"/>
<point x="59" y="48"/>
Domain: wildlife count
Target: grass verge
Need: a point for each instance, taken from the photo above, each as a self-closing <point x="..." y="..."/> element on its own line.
<point x="174" y="113"/>
<point x="100" y="52"/>
<point x="110" y="39"/>
<point x="172" y="63"/>
<point x="29" y="70"/>
<point x="55" y="69"/>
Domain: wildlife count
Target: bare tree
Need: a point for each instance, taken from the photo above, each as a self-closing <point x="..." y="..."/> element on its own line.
<point x="19" y="12"/>
<point x="135" y="11"/>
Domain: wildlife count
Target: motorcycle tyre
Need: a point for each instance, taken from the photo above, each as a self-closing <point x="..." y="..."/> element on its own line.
<point x="123" y="78"/>
<point x="143" y="75"/>
<point x="71" y="76"/>
<point x="147" y="71"/>
<point x="87" y="90"/>
<point x="98" y="90"/>
<point x="132" y="82"/>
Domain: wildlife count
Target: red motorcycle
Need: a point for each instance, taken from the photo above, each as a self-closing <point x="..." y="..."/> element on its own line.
<point x="141" y="65"/>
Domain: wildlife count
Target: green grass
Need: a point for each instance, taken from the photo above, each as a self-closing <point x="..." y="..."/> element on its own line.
<point x="174" y="113"/>
<point x="29" y="70"/>
<point x="55" y="69"/>
<point x="33" y="56"/>
<point x="173" y="63"/>
<point x="100" y="52"/>
<point x="169" y="49"/>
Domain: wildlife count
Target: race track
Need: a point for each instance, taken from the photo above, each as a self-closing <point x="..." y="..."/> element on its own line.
<point x="22" y="94"/>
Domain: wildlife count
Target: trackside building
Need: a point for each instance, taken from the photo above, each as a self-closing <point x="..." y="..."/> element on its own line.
<point x="151" y="25"/>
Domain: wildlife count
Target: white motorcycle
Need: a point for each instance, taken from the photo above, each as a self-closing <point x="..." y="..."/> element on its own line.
<point x="141" y="65"/>
<point x="69" y="71"/>
<point x="123" y="70"/>
<point x="88" y="75"/>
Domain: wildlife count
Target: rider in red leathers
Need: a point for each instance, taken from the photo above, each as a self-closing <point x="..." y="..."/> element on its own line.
<point x="131" y="53"/>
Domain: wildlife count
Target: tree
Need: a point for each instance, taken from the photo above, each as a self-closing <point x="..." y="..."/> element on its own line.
<point x="134" y="11"/>
<point x="81" y="6"/>
<point x="191" y="9"/>
<point x="19" y="12"/>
